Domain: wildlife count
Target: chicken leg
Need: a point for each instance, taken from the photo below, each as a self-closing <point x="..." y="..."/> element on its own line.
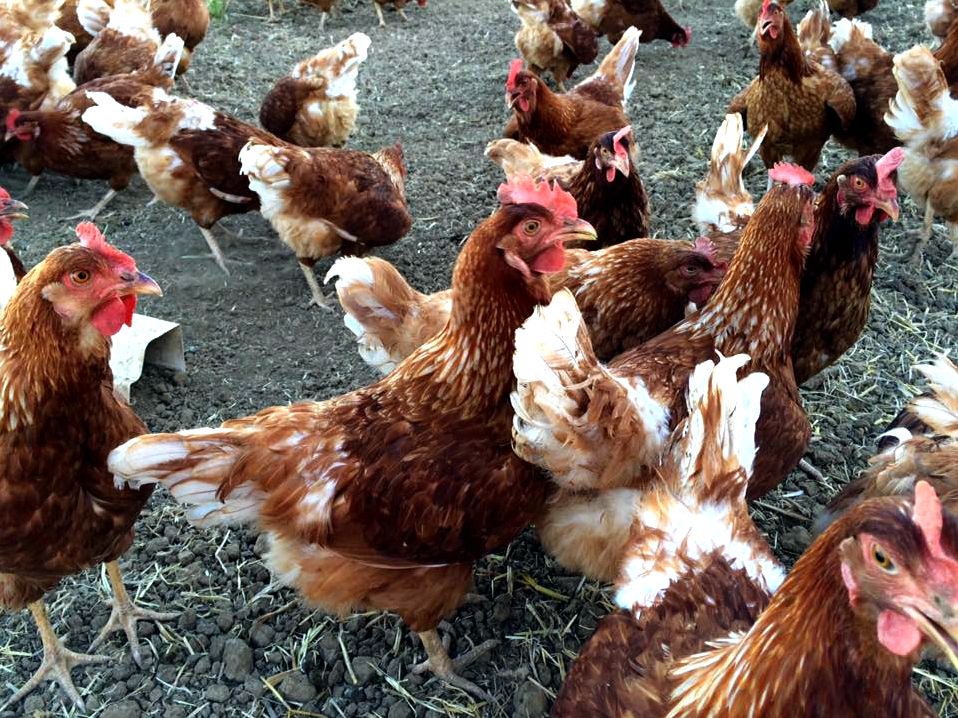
<point x="91" y="214"/>
<point x="379" y="12"/>
<point x="215" y="249"/>
<point x="125" y="614"/>
<point x="439" y="663"/>
<point x="57" y="661"/>
<point x="918" y="250"/>
<point x="318" y="298"/>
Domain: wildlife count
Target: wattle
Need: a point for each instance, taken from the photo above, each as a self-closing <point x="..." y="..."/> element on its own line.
<point x="113" y="314"/>
<point x="549" y="261"/>
<point x="898" y="633"/>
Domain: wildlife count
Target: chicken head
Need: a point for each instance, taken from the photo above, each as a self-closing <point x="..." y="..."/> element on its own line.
<point x="696" y="272"/>
<point x="901" y="572"/>
<point x="521" y="86"/>
<point x="771" y="21"/>
<point x="867" y="187"/>
<point x="10" y="210"/>
<point x="615" y="152"/>
<point x="93" y="284"/>
<point x="21" y="127"/>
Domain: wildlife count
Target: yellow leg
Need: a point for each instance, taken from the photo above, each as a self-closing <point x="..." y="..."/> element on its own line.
<point x="439" y="663"/>
<point x="379" y="12"/>
<point x="57" y="661"/>
<point x="125" y="614"/>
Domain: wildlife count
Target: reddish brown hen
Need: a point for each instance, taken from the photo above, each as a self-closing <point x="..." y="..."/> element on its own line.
<point x="188" y="19"/>
<point x="568" y="123"/>
<point x="382" y="499"/>
<point x="801" y="102"/>
<point x="552" y="37"/>
<point x="59" y="418"/>
<point x="613" y="17"/>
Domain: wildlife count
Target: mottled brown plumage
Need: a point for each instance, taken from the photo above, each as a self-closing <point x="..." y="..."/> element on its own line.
<point x="613" y="17"/>
<point x="382" y="498"/>
<point x="851" y="8"/>
<point x="568" y="123"/>
<point x="124" y="41"/>
<point x="801" y="102"/>
<point x="189" y="19"/>
<point x="553" y="38"/>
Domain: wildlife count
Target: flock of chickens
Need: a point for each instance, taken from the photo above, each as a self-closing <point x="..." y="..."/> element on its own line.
<point x="625" y="395"/>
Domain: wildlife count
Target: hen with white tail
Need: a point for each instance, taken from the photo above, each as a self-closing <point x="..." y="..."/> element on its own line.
<point x="315" y="105"/>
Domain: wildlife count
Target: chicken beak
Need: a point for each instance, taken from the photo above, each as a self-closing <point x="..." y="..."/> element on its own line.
<point x="14" y="210"/>
<point x="945" y="637"/>
<point x="888" y="206"/>
<point x="141" y="284"/>
<point x="621" y="164"/>
<point x="577" y="231"/>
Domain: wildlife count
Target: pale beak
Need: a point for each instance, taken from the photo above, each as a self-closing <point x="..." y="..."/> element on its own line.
<point x="945" y="637"/>
<point x="14" y="210"/>
<point x="621" y="164"/>
<point x="577" y="231"/>
<point x="889" y="207"/>
<point x="141" y="284"/>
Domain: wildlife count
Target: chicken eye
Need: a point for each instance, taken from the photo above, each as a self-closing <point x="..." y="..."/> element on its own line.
<point x="858" y="183"/>
<point x="882" y="559"/>
<point x="531" y="227"/>
<point x="690" y="269"/>
<point x="81" y="276"/>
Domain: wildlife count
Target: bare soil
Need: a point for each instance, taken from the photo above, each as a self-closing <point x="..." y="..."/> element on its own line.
<point x="244" y="646"/>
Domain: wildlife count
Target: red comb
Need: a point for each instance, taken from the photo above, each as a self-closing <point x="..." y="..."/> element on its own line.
<point x="515" y="67"/>
<point x="523" y="190"/>
<point x="927" y="514"/>
<point x="792" y="175"/>
<point x="617" y="138"/>
<point x="766" y="4"/>
<point x="704" y="245"/>
<point x="887" y="164"/>
<point x="92" y="238"/>
<point x="12" y="116"/>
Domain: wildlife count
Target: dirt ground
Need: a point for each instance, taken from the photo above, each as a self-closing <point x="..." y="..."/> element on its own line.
<point x="244" y="646"/>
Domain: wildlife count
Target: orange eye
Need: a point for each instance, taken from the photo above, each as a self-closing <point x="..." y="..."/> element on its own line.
<point x="858" y="183"/>
<point x="531" y="227"/>
<point x="882" y="559"/>
<point x="81" y="276"/>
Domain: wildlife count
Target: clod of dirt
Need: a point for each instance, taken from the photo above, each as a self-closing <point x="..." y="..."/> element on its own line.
<point x="399" y="710"/>
<point x="125" y="709"/>
<point x="217" y="693"/>
<point x="237" y="659"/>
<point x="297" y="688"/>
<point x="530" y="701"/>
<point x="365" y="668"/>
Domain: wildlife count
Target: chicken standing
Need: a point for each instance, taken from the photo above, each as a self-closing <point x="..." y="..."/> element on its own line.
<point x="59" y="418"/>
<point x="858" y="609"/>
<point x="922" y="116"/>
<point x="400" y="6"/>
<point x="552" y="37"/>
<point x="315" y="105"/>
<point x="613" y="17"/>
<point x="600" y="429"/>
<point x="321" y="201"/>
<point x="568" y="123"/>
<point x="627" y="293"/>
<point x="187" y="152"/>
<point x="56" y="139"/>
<point x="383" y="498"/>
<point x="800" y="101"/>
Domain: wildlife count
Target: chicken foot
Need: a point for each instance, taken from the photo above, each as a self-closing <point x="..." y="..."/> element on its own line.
<point x="442" y="666"/>
<point x="125" y="614"/>
<point x="91" y="214"/>
<point x="924" y="237"/>
<point x="215" y="249"/>
<point x="318" y="298"/>
<point x="57" y="661"/>
<point x="31" y="185"/>
<point x="379" y="12"/>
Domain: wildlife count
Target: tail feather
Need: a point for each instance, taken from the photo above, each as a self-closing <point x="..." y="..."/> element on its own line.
<point x="338" y="65"/>
<point x="574" y="418"/>
<point x="94" y="15"/>
<point x="938" y="408"/>
<point x="168" y="55"/>
<point x="618" y="67"/>
<point x="389" y="318"/>
<point x="923" y="109"/>
<point x="523" y="159"/>
<point x="116" y="121"/>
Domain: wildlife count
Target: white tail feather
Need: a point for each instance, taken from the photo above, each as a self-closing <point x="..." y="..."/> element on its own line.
<point x="116" y="121"/>
<point x="93" y="15"/>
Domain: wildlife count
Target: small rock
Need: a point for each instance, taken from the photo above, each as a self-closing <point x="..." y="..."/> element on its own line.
<point x="399" y="710"/>
<point x="187" y="620"/>
<point x="329" y="648"/>
<point x="253" y="686"/>
<point x="202" y="666"/>
<point x="530" y="701"/>
<point x="262" y="545"/>
<point x="796" y="539"/>
<point x="297" y="688"/>
<point x="365" y="668"/>
<point x="34" y="704"/>
<point x="224" y="619"/>
<point x="237" y="659"/>
<point x="261" y="635"/>
<point x="217" y="693"/>
<point x="123" y="709"/>
<point x="502" y="609"/>
<point x="336" y="674"/>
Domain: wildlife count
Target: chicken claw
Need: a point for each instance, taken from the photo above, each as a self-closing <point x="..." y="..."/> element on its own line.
<point x="91" y="214"/>
<point x="57" y="662"/>
<point x="125" y="614"/>
<point x="442" y="666"/>
<point x="318" y="298"/>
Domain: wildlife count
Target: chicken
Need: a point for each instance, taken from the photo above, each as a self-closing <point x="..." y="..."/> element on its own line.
<point x="187" y="19"/>
<point x="836" y="286"/>
<point x="613" y="18"/>
<point x="814" y="34"/>
<point x="187" y="152"/>
<point x="748" y="11"/>
<point x="939" y="15"/>
<point x="947" y="55"/>
<point x="851" y="8"/>
<point x="922" y="116"/>
<point x="382" y="499"/>
<point x="124" y="39"/>
<point x="627" y="293"/>
<point x="597" y="429"/>
<point x="856" y="611"/>
<point x="70" y="22"/>
<point x="315" y="105"/>
<point x="722" y="204"/>
<point x="518" y="159"/>
<point x="321" y="201"/>
<point x="921" y="444"/>
<point x="11" y="268"/>
<point x="57" y="139"/>
<point x="400" y="6"/>
<point x="59" y="418"/>
<point x="568" y="124"/>
<point x="801" y="102"/>
<point x="552" y="37"/>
